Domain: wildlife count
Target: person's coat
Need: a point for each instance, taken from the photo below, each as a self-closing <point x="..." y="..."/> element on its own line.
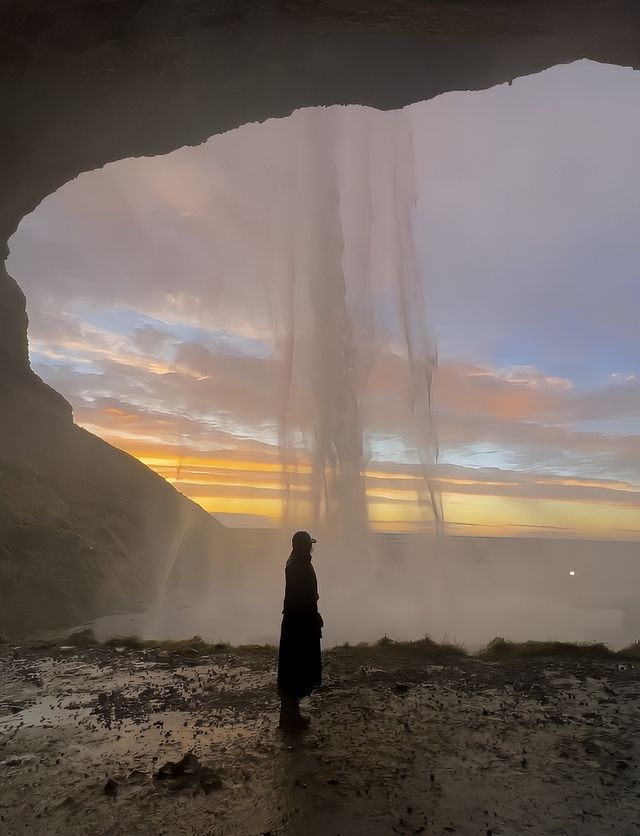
<point x="299" y="658"/>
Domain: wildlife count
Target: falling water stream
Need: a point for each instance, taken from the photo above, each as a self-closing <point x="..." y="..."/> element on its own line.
<point x="344" y="239"/>
<point x="342" y="288"/>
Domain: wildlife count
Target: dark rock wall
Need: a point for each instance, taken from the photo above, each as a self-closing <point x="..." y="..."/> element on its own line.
<point x="14" y="351"/>
<point x="85" y="529"/>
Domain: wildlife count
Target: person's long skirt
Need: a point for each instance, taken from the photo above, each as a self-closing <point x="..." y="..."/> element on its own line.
<point x="299" y="657"/>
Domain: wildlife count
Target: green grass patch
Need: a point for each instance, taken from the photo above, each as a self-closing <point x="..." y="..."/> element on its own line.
<point x="631" y="653"/>
<point x="195" y="645"/>
<point x="500" y="649"/>
<point x="421" y="647"/>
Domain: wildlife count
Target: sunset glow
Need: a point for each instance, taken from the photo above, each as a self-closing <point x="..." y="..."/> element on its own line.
<point x="251" y="489"/>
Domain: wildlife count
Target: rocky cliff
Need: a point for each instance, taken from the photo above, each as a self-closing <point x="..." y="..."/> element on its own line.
<point x="85" y="529"/>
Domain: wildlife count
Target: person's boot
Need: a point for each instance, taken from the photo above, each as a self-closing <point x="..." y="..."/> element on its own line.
<point x="290" y="717"/>
<point x="287" y="714"/>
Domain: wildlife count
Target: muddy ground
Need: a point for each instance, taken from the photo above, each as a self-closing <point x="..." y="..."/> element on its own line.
<point x="400" y="743"/>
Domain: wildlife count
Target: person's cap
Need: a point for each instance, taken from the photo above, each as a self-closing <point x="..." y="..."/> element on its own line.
<point x="302" y="537"/>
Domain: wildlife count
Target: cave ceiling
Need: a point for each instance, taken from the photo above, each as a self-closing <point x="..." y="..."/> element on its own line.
<point x="85" y="82"/>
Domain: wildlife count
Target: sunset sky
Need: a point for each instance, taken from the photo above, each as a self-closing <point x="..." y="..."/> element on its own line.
<point x="145" y="285"/>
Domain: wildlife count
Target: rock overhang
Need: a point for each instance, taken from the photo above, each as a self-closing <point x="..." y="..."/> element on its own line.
<point x="93" y="81"/>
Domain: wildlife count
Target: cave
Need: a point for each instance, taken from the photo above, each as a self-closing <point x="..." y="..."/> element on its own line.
<point x="94" y="82"/>
<point x="123" y="732"/>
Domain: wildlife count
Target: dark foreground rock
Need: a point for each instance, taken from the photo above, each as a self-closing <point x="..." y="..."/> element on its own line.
<point x="101" y="740"/>
<point x="188" y="773"/>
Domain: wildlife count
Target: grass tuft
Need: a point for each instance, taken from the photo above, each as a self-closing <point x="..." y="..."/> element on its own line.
<point x="130" y="642"/>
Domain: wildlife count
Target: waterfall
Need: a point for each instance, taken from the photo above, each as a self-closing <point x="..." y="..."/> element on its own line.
<point x="352" y="290"/>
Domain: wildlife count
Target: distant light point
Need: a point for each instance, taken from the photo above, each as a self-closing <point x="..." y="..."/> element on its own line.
<point x="571" y="572"/>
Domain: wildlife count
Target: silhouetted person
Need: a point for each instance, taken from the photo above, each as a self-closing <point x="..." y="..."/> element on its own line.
<point x="299" y="659"/>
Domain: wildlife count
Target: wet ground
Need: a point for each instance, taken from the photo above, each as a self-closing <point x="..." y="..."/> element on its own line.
<point x="399" y="743"/>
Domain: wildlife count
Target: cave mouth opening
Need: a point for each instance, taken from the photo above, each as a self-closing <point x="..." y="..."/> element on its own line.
<point x="160" y="301"/>
<point x="157" y="295"/>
